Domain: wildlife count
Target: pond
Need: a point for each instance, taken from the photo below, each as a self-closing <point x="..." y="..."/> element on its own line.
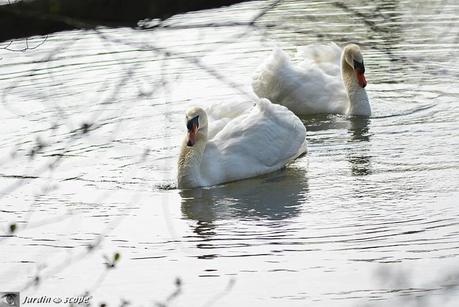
<point x="91" y="127"/>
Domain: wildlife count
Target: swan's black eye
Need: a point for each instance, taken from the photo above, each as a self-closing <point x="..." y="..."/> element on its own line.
<point x="194" y="120"/>
<point x="359" y="65"/>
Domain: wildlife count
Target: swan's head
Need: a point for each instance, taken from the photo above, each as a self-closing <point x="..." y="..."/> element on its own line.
<point x="354" y="58"/>
<point x="196" y="119"/>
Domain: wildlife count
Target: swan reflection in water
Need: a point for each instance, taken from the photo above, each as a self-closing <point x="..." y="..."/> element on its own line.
<point x="358" y="156"/>
<point x="276" y="196"/>
<point x="358" y="134"/>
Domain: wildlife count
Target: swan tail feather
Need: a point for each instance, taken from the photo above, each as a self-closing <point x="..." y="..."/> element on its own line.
<point x="319" y="53"/>
<point x="265" y="81"/>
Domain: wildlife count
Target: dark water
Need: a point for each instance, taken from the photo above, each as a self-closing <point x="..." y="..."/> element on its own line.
<point x="91" y="123"/>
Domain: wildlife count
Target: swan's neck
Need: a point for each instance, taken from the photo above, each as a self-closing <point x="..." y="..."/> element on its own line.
<point x="189" y="163"/>
<point x="358" y="99"/>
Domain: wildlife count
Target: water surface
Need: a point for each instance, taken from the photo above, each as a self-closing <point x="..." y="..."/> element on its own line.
<point x="91" y="125"/>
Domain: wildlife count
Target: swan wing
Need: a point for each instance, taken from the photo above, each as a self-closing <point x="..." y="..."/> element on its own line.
<point x="220" y="114"/>
<point x="261" y="140"/>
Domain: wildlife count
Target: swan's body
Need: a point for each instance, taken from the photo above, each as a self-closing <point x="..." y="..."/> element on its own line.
<point x="327" y="80"/>
<point x="259" y="139"/>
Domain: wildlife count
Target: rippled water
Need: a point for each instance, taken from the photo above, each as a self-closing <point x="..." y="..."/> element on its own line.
<point x="91" y="123"/>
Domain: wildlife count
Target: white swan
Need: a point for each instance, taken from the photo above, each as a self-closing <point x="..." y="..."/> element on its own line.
<point x="315" y="85"/>
<point x="261" y="139"/>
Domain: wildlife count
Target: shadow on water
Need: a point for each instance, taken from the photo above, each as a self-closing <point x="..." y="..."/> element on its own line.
<point x="277" y="196"/>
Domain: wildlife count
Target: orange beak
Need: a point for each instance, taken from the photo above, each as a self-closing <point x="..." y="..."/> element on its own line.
<point x="191" y="135"/>
<point x="361" y="78"/>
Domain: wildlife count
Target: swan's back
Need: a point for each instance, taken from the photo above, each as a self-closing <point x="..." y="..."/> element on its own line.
<point x="312" y="86"/>
<point x="260" y="140"/>
<point x="220" y="114"/>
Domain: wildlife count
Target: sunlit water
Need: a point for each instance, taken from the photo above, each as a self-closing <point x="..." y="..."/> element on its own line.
<point x="91" y="124"/>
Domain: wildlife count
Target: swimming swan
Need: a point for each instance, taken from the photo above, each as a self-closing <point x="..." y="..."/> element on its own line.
<point x="315" y="85"/>
<point x="261" y="139"/>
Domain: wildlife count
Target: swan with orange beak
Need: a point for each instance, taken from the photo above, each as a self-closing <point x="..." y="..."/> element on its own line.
<point x="353" y="75"/>
<point x="259" y="139"/>
<point x="328" y="79"/>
